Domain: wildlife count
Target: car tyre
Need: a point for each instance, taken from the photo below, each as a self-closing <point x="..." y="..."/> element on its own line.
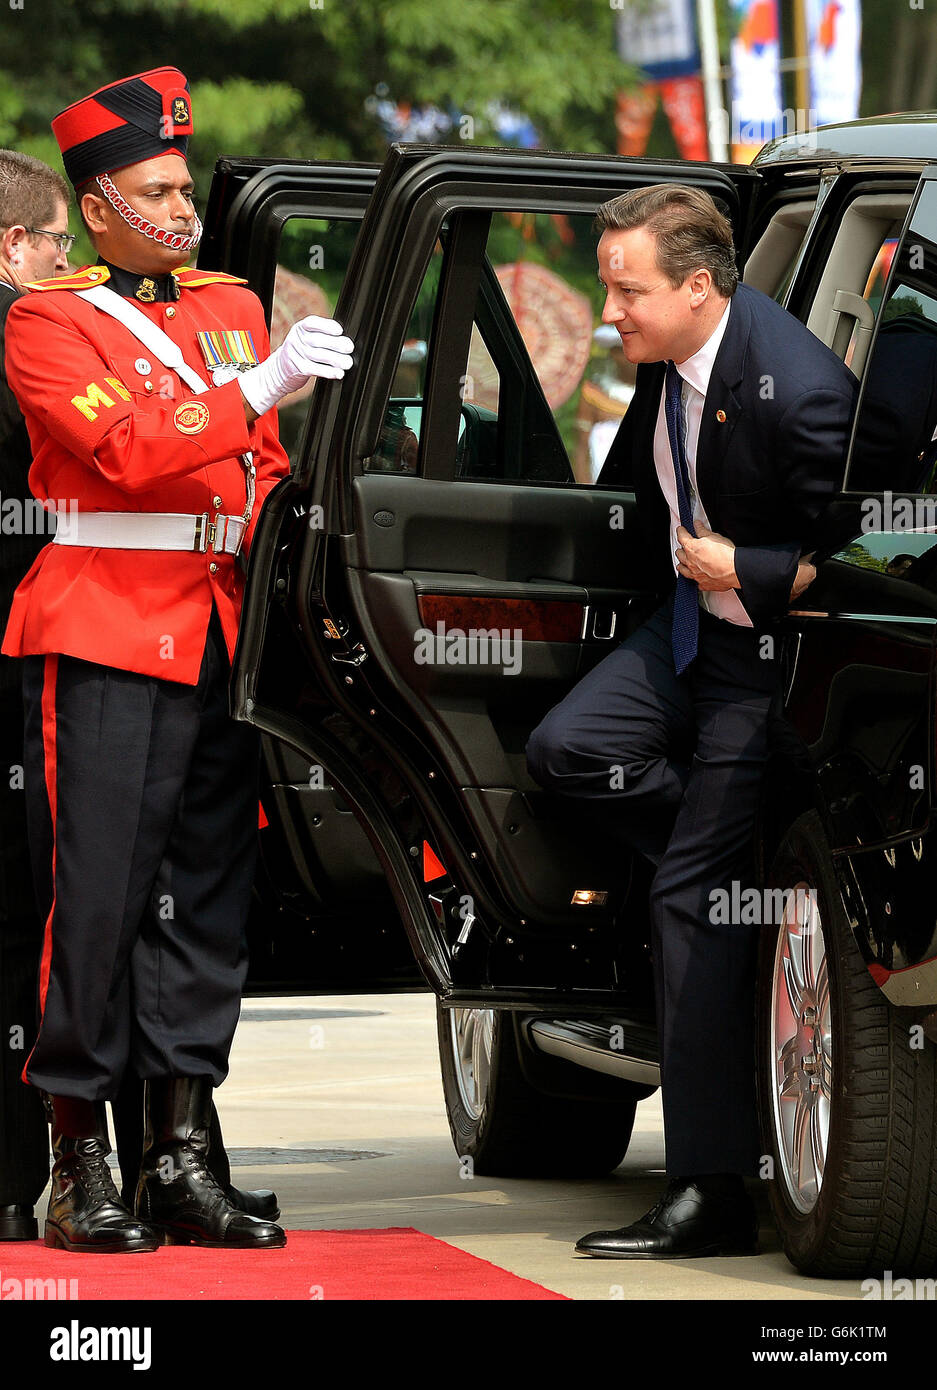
<point x="502" y="1124"/>
<point x="847" y="1104"/>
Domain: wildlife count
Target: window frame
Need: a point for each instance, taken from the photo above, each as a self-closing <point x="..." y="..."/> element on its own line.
<point x="928" y="175"/>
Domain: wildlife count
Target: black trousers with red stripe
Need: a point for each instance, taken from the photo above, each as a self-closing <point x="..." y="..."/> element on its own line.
<point x="142" y="807"/>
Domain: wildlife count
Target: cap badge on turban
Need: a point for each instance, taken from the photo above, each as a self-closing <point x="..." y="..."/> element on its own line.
<point x="136" y="118"/>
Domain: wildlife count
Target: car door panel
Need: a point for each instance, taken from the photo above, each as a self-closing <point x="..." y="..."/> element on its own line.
<point x="477" y="715"/>
<point x="319" y="887"/>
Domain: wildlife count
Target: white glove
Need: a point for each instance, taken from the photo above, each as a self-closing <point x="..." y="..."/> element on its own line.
<point x="313" y="347"/>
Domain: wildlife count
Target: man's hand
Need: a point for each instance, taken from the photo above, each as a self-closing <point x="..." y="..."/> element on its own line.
<point x="806" y="574"/>
<point x="707" y="558"/>
<point x="313" y="347"/>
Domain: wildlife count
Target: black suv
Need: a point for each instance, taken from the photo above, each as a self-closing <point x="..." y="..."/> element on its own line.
<point x="443" y="489"/>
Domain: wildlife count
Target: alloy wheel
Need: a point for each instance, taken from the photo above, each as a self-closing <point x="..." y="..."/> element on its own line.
<point x="801" y="1048"/>
<point x="472" y="1035"/>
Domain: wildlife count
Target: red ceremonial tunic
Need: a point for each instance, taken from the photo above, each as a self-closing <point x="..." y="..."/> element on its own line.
<point x="109" y="435"/>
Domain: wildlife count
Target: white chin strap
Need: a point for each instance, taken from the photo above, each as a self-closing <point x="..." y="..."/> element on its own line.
<point x="175" y="241"/>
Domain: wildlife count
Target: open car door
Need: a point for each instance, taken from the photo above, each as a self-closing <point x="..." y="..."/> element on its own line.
<point x="432" y="578"/>
<point x="322" y="917"/>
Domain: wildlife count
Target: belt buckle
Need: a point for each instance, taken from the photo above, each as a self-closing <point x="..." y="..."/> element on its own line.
<point x="214" y="534"/>
<point x="241" y="528"/>
<point x="219" y="535"/>
<point x="204" y="533"/>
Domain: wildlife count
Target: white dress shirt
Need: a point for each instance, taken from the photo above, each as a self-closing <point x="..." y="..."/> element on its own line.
<point x="696" y="372"/>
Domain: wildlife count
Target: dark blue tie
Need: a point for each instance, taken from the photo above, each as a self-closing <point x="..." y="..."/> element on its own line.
<point x="686" y="600"/>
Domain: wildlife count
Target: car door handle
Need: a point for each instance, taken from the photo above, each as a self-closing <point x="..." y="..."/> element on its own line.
<point x="351" y="658"/>
<point x="598" y="623"/>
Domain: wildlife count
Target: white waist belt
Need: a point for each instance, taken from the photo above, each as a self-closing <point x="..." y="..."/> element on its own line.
<point x="151" y="531"/>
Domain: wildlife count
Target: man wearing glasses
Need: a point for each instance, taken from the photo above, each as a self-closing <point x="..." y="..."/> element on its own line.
<point x="62" y="241"/>
<point x="35" y="239"/>
<point x="34" y="244"/>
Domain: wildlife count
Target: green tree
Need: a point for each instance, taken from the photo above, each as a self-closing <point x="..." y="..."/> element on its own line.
<point x="293" y="78"/>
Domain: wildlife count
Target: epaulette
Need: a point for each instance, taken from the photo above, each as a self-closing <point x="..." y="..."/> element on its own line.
<point x="82" y="279"/>
<point x="192" y="279"/>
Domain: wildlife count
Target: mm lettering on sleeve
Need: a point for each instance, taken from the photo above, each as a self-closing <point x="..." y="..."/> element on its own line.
<point x="96" y="397"/>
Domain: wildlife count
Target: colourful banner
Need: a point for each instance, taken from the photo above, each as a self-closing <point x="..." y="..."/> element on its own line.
<point x="686" y="111"/>
<point x="756" y="77"/>
<point x="634" y="117"/>
<point x="834" y="33"/>
<point x="660" y="38"/>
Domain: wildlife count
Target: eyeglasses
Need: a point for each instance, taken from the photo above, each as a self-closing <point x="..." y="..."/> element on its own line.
<point x="63" y="240"/>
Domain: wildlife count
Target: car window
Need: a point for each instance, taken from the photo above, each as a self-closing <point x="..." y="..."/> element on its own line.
<point x="546" y="289"/>
<point x="398" y="447"/>
<point x="894" y="447"/>
<point x="873" y="293"/>
<point x="770" y="266"/>
<point x="312" y="259"/>
<point x="892" y="470"/>
<point x="544" y="385"/>
<point x="874" y="290"/>
<point x="854" y="264"/>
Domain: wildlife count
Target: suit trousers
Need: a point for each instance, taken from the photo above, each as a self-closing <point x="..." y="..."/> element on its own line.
<point x="142" y="807"/>
<point x="671" y="766"/>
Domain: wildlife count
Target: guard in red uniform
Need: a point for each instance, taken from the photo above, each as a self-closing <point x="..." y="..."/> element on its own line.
<point x="147" y="392"/>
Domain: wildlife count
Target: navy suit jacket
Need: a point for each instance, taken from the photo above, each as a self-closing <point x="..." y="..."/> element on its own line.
<point x="765" y="472"/>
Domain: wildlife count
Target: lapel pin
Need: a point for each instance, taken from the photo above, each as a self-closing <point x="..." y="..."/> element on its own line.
<point x="721" y="416"/>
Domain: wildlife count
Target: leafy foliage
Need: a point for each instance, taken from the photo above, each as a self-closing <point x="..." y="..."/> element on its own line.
<point x="292" y="78"/>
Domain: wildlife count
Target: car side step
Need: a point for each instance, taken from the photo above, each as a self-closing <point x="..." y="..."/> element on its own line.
<point x="616" y="1048"/>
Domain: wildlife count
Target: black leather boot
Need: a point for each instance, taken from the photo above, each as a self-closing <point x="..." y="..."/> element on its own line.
<point x="177" y="1193"/>
<point x="127" y="1109"/>
<point x="85" y="1213"/>
<point x="261" y="1202"/>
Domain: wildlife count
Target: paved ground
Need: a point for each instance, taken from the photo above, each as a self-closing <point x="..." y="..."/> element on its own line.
<point x="337" y="1104"/>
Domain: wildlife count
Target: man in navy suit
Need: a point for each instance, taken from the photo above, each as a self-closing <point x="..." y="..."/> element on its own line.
<point x="733" y="443"/>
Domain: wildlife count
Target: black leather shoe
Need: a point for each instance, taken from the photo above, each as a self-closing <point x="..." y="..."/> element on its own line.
<point x="687" y="1222"/>
<point x="85" y="1212"/>
<point x="177" y="1193"/>
<point x="18" y="1223"/>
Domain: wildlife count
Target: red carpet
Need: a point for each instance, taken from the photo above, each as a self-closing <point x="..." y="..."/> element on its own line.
<point x="397" y="1263"/>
